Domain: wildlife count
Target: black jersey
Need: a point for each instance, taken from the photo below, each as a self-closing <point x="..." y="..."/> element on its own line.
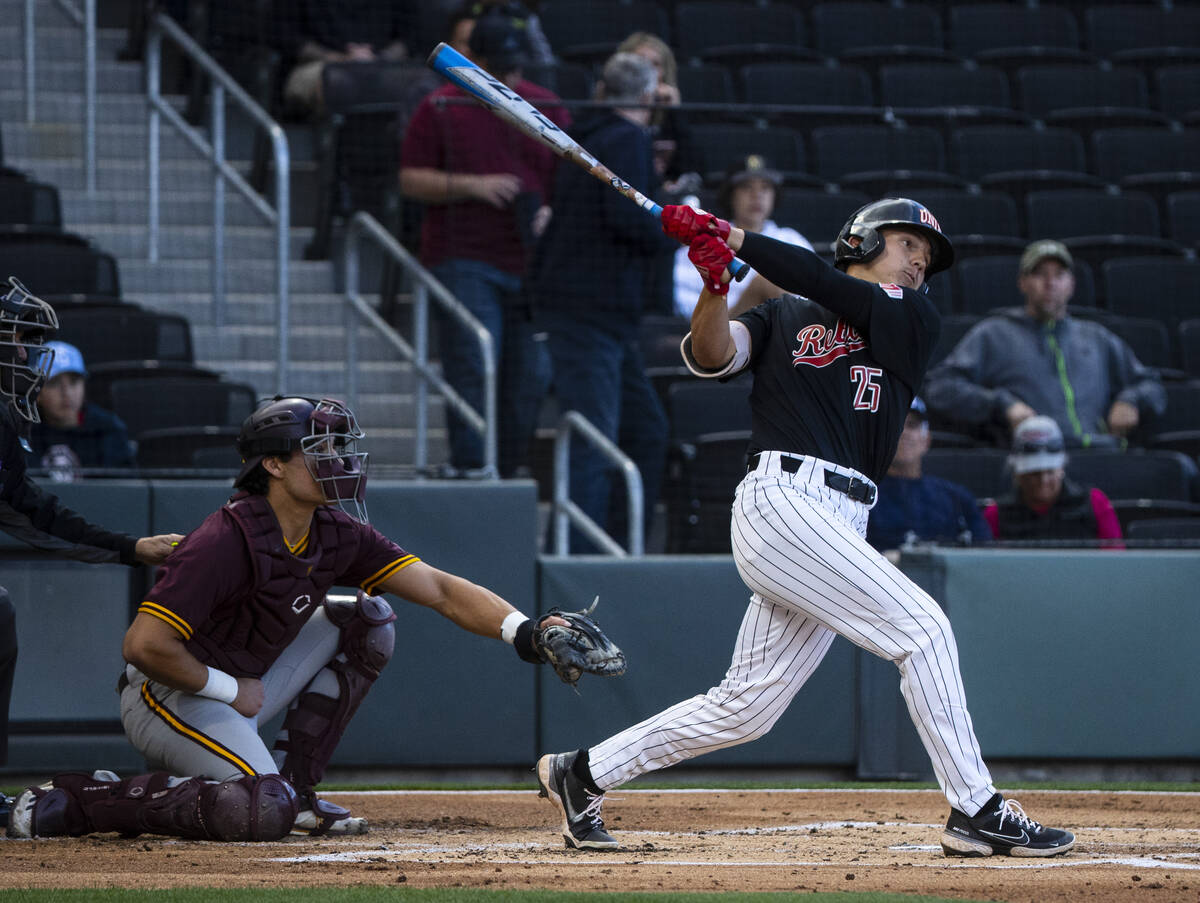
<point x="833" y="379"/>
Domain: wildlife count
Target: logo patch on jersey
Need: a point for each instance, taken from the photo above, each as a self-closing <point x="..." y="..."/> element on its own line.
<point x="820" y="346"/>
<point x="892" y="290"/>
<point x="300" y="603"/>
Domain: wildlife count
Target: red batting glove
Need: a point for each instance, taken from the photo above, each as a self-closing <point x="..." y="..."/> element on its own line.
<point x="684" y="223"/>
<point x="712" y="258"/>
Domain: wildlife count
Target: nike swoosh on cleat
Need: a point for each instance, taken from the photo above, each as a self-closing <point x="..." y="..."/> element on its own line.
<point x="1019" y="840"/>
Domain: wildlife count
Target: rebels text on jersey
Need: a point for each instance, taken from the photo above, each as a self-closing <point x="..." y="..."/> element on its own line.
<point x="833" y="379"/>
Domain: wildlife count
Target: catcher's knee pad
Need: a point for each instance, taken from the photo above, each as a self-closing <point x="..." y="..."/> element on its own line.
<point x="315" y="722"/>
<point x="260" y="807"/>
<point x="57" y="808"/>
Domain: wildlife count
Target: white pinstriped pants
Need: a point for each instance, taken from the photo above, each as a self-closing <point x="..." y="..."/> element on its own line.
<point x="800" y="547"/>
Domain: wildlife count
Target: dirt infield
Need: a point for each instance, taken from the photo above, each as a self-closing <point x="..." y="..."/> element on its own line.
<point x="1143" y="846"/>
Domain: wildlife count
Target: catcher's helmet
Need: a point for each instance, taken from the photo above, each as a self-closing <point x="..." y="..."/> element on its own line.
<point x="325" y="431"/>
<point x="867" y="221"/>
<point x="26" y="322"/>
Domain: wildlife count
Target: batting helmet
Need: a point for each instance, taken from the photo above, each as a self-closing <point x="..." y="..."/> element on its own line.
<point x="26" y="322"/>
<point x="325" y="431"/>
<point x="867" y="221"/>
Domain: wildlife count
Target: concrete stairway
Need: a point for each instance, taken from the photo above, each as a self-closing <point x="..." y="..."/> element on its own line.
<point x="114" y="217"/>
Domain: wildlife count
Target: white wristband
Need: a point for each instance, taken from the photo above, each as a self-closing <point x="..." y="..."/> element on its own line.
<point x="220" y="686"/>
<point x="508" y="627"/>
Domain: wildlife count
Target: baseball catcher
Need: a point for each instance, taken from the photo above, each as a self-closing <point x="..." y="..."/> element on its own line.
<point x="577" y="646"/>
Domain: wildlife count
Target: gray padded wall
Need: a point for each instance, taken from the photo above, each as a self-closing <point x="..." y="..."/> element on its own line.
<point x="449" y="697"/>
<point x="1078" y="654"/>
<point x="676" y="618"/>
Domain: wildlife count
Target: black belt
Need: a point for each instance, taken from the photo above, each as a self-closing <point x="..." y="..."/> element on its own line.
<point x="859" y="490"/>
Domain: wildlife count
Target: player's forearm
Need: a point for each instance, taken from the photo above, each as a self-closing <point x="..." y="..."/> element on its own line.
<point x="472" y="607"/>
<point x="165" y="660"/>
<point x="712" y="346"/>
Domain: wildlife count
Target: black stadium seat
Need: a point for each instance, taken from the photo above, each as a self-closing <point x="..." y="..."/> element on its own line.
<point x="878" y="32"/>
<point x="699" y="496"/>
<point x="1085" y="97"/>
<point x="718" y="145"/>
<point x="1148" y="159"/>
<point x="1164" y="288"/>
<point x="126" y="333"/>
<point x="1008" y="35"/>
<point x="806" y="83"/>
<point x="1135" y="475"/>
<point x="1183" y="217"/>
<point x="1017" y="159"/>
<point x="880" y="159"/>
<point x="1137" y="33"/>
<point x="177" y="447"/>
<point x="1177" y="91"/>
<point x="730" y="33"/>
<point x="156" y="404"/>
<point x="706" y="83"/>
<point x="51" y="262"/>
<point x="986" y="283"/>
<point x="27" y="202"/>
<point x="817" y="215"/>
<point x="101" y="375"/>
<point x="588" y="31"/>
<point x="981" y="470"/>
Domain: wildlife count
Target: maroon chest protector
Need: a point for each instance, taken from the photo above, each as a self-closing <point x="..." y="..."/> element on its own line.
<point x="287" y="588"/>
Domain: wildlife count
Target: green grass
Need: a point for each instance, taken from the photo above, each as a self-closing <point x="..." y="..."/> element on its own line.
<point x="430" y="895"/>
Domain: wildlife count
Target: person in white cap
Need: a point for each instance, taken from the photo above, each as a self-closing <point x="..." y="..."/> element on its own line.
<point x="74" y="433"/>
<point x="1044" y="504"/>
<point x="1040" y="360"/>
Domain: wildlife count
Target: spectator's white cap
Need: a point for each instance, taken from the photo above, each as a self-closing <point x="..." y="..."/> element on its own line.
<point x="67" y="359"/>
<point x="1037" y="445"/>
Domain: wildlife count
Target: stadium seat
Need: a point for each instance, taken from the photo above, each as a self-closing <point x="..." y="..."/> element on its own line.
<point x="1086" y="97"/>
<point x="1189" y="346"/>
<point x="176" y="447"/>
<point x="1164" y="288"/>
<point x="725" y="31"/>
<point x="1007" y="35"/>
<point x="987" y="283"/>
<point x="981" y="470"/>
<point x="707" y="83"/>
<point x="1147" y="338"/>
<point x="1016" y="159"/>
<point x="51" y="262"/>
<point x="1178" y="427"/>
<point x="907" y="85"/>
<point x="954" y="327"/>
<point x="806" y="83"/>
<point x="102" y="374"/>
<point x="817" y="215"/>
<point x="588" y="31"/>
<point x="1134" y="511"/>
<point x="979" y="224"/>
<point x="157" y="404"/>
<point x="706" y="406"/>
<point x="718" y="145"/>
<point x="700" y="492"/>
<point x="1183" y="218"/>
<point x="1165" y="528"/>
<point x="126" y="333"/>
<point x="27" y="202"/>
<point x="880" y="159"/>
<point x="1158" y="162"/>
<point x="1177" y="91"/>
<point x="570" y="81"/>
<point x="1137" y="33"/>
<point x="878" y="32"/>
<point x="659" y="336"/>
<point x="1153" y="474"/>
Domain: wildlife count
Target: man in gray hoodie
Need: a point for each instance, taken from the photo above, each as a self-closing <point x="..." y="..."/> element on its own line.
<point x="1038" y="360"/>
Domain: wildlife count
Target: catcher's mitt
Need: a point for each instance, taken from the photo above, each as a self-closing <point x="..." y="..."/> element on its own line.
<point x="581" y="646"/>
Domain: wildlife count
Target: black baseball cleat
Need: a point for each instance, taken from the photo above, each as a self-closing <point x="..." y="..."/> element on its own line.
<point x="317" y="817"/>
<point x="582" y="827"/>
<point x="1002" y="828"/>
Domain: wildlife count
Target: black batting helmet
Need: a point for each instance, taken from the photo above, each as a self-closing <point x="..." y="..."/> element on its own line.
<point x="867" y="221"/>
<point x="325" y="431"/>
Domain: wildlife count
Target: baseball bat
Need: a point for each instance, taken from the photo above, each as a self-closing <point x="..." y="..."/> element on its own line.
<point x="517" y="111"/>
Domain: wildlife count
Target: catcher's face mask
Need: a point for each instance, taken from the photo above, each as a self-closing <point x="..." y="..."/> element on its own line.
<point x="26" y="322"/>
<point x="332" y="457"/>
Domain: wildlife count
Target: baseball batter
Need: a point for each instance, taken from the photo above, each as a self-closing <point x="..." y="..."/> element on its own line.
<point x="834" y="377"/>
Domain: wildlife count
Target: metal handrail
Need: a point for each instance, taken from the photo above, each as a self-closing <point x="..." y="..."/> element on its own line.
<point x="566" y="512"/>
<point x="425" y="285"/>
<point x="222" y="85"/>
<point x="85" y="19"/>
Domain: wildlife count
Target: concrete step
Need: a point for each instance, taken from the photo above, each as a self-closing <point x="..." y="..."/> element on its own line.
<point x="54" y="37"/>
<point x="192" y="242"/>
<point x="68" y="106"/>
<point x="316" y="342"/>
<point x="326" y="376"/>
<point x="112" y="77"/>
<point x="258" y="276"/>
<point x="244" y="308"/>
<point x="48" y="140"/>
<point x="113" y="174"/>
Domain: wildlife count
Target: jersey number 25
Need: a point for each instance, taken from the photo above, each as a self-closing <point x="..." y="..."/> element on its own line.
<point x="866" y="392"/>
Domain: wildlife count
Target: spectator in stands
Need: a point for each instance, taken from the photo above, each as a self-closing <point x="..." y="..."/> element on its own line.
<point x="913" y="507"/>
<point x="73" y="432"/>
<point x="315" y="33"/>
<point x="1043" y="503"/>
<point x="32" y="515"/>
<point x="484" y="186"/>
<point x="1039" y="360"/>
<point x="587" y="281"/>
<point x="746" y="198"/>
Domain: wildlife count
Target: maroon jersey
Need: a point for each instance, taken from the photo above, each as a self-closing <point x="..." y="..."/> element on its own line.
<point x="238" y="594"/>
